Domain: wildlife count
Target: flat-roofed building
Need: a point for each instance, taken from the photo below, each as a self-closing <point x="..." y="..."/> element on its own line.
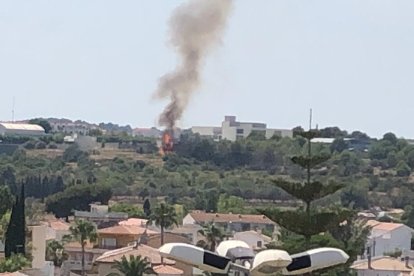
<point x="231" y="130"/>
<point x="21" y="129"/>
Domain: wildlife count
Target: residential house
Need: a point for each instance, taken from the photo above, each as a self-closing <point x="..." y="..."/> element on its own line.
<point x="254" y="239"/>
<point x="100" y="215"/>
<point x="121" y="235"/>
<point x="104" y="263"/>
<point x="382" y="266"/>
<point x="155" y="242"/>
<point x="147" y="132"/>
<point x="74" y="261"/>
<point x="189" y="230"/>
<point x="167" y="270"/>
<point x="56" y="229"/>
<point x="134" y="222"/>
<point x="231" y="222"/>
<point x="388" y="237"/>
<point x="155" y="239"/>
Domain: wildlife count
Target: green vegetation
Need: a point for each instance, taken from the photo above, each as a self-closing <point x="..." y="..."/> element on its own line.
<point x="55" y="252"/>
<point x="77" y="197"/>
<point x="133" y="211"/>
<point x="313" y="225"/>
<point x="15" y="240"/>
<point x="212" y="236"/>
<point x="14" y="263"/>
<point x="41" y="122"/>
<point x="238" y="177"/>
<point x="134" y="266"/>
<point x="200" y="170"/>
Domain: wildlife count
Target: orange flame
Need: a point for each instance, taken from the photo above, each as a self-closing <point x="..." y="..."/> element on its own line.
<point x="167" y="143"/>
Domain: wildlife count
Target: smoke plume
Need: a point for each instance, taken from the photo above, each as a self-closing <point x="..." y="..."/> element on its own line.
<point x="195" y="28"/>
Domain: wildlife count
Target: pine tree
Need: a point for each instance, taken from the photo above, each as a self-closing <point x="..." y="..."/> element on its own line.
<point x="310" y="226"/>
<point x="147" y="207"/>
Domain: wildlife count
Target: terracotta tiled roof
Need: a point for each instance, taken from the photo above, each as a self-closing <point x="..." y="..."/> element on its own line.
<point x="382" y="263"/>
<point x="166" y="269"/>
<point x="141" y="250"/>
<point x="384" y="226"/>
<point x="264" y="237"/>
<point x="12" y="274"/>
<point x="133" y="222"/>
<point x="125" y="230"/>
<point x="59" y="225"/>
<point x="202" y="217"/>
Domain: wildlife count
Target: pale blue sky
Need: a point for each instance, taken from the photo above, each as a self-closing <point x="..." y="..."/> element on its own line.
<point x="351" y="61"/>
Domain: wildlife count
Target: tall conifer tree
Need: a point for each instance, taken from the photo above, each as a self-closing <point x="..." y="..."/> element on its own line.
<point x="15" y="242"/>
<point x="307" y="223"/>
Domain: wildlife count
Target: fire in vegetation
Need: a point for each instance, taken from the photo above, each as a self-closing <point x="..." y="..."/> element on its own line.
<point x="167" y="142"/>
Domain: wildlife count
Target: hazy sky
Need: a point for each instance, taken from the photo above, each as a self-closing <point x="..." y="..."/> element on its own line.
<point x="351" y="61"/>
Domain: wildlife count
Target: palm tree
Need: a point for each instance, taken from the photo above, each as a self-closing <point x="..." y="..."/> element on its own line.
<point x="82" y="232"/>
<point x="55" y="253"/>
<point x="163" y="216"/>
<point x="135" y="266"/>
<point x="213" y="236"/>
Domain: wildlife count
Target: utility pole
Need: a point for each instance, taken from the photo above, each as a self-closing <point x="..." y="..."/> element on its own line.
<point x="14" y="101"/>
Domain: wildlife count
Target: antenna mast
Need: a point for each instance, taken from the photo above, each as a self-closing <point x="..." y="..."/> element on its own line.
<point x="14" y="100"/>
<point x="310" y="119"/>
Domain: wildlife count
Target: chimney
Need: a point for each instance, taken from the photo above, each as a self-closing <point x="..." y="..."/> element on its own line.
<point x="39" y="246"/>
<point x="143" y="239"/>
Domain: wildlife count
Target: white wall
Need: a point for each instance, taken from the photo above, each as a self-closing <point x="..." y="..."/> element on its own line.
<point x="204" y="131"/>
<point x="399" y="238"/>
<point x="228" y="132"/>
<point x="61" y="233"/>
<point x="250" y="238"/>
<point x="39" y="246"/>
<point x="188" y="219"/>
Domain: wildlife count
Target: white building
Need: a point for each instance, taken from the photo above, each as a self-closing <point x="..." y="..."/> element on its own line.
<point x="81" y="128"/>
<point x="39" y="264"/>
<point x="388" y="237"/>
<point x="382" y="266"/>
<point x="231" y="222"/>
<point x="254" y="239"/>
<point x="213" y="132"/>
<point x="231" y="129"/>
<point x="56" y="229"/>
<point x="101" y="216"/>
<point x="21" y="129"/>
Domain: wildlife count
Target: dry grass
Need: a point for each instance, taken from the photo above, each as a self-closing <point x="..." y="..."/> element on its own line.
<point x="48" y="153"/>
<point x="109" y="154"/>
<point x="103" y="155"/>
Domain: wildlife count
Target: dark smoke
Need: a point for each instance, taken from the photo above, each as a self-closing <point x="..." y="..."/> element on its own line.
<point x="195" y="27"/>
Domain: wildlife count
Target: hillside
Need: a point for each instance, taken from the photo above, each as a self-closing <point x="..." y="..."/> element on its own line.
<point x="200" y="170"/>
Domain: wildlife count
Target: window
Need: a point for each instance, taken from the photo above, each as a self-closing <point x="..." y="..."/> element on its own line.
<point x="240" y="131"/>
<point x="259" y="244"/>
<point x="245" y="226"/>
<point x="108" y="243"/>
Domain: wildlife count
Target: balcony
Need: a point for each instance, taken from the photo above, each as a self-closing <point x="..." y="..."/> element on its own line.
<point x="76" y="265"/>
